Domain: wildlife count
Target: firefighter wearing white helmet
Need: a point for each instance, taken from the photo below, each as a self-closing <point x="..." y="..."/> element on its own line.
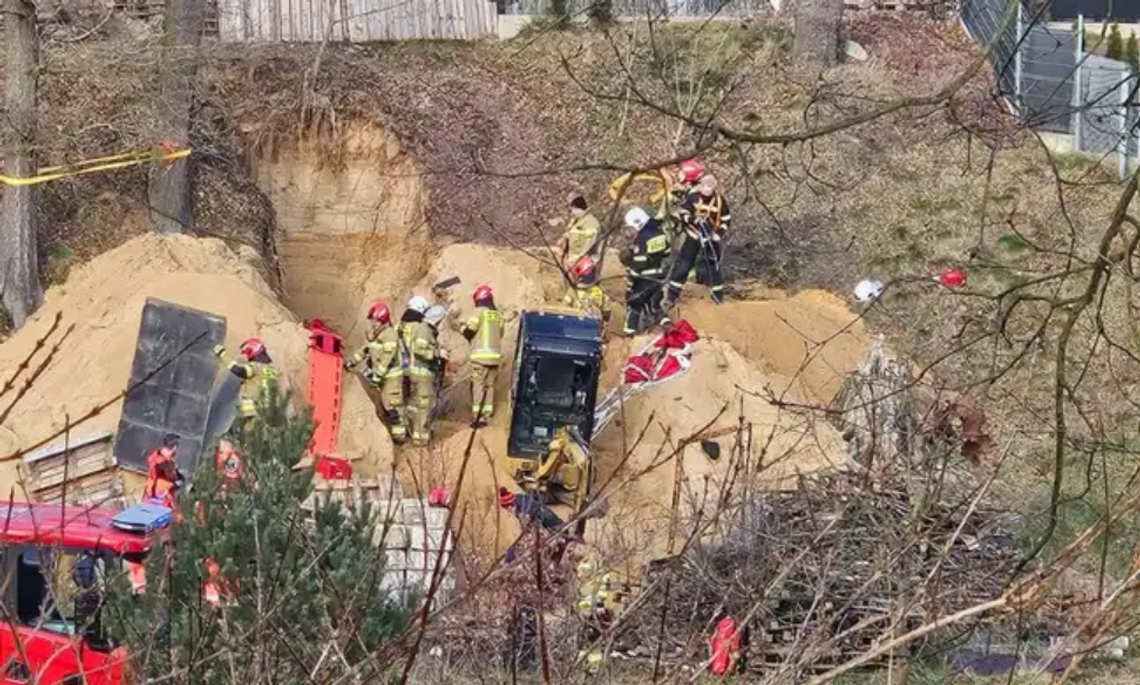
<point x="419" y="358"/>
<point x="644" y="262"/>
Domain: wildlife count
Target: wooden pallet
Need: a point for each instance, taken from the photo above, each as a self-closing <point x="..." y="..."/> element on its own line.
<point x="81" y="469"/>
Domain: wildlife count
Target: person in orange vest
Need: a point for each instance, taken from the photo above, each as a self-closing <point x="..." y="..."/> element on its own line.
<point x="724" y="647"/>
<point x="161" y="490"/>
<point x="168" y="452"/>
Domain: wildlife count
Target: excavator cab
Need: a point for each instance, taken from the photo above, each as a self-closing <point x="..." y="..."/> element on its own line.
<point x="557" y="365"/>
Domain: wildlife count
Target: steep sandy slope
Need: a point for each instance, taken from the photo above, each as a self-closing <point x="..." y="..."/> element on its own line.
<point x="797" y="345"/>
<point x="104" y="300"/>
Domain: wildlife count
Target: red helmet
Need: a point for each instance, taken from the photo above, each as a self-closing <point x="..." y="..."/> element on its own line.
<point x="506" y="498"/>
<point x="252" y="348"/>
<point x="691" y="171"/>
<point x="583" y="268"/>
<point x="380" y="313"/>
<point x="483" y="294"/>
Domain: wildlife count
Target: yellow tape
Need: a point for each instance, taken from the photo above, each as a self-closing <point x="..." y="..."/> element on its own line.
<point x="92" y="165"/>
<point x="626" y="181"/>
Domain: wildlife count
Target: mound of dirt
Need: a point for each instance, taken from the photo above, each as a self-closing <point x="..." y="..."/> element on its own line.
<point x="810" y="339"/>
<point x="104" y="299"/>
<point x="637" y="456"/>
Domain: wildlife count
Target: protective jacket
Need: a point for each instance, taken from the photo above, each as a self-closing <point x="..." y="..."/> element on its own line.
<point x="419" y="348"/>
<point x="580" y="236"/>
<point x="380" y="352"/>
<point x="650" y="249"/>
<point x="698" y="211"/>
<point x="484" y="330"/>
<point x="256" y="377"/>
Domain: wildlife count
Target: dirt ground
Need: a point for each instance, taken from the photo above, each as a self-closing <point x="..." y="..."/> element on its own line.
<point x="104" y="299"/>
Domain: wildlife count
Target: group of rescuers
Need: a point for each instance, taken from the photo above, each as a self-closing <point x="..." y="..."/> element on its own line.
<point x="687" y="230"/>
<point x="682" y="242"/>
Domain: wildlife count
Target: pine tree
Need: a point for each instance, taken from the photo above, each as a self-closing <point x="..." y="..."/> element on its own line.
<point x="297" y="586"/>
<point x="1132" y="51"/>
<point x="1115" y="47"/>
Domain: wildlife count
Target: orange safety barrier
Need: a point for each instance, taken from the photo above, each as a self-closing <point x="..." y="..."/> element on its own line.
<point x="326" y="377"/>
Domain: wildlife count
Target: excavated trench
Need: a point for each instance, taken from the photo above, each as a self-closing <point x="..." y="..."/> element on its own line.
<point x="351" y="228"/>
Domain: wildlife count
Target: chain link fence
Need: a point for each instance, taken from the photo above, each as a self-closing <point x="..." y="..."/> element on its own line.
<point x="1050" y="80"/>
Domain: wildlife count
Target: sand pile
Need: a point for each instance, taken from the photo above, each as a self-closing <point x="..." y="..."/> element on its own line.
<point x="811" y="337"/>
<point x="720" y="387"/>
<point x="104" y="300"/>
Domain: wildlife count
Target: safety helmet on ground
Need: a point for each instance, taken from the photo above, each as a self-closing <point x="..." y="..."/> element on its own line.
<point x="584" y="268"/>
<point x="483" y="294"/>
<point x="418" y="304"/>
<point x="506" y="498"/>
<point x="691" y="171"/>
<point x="252" y="348"/>
<point x="636" y="218"/>
<point x="379" y="312"/>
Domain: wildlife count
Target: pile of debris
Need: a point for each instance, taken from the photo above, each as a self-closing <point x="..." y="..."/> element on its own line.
<point x="823" y="573"/>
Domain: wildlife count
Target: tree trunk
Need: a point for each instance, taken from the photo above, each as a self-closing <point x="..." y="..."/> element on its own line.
<point x="20" y="289"/>
<point x="170" y="191"/>
<point x="818" y="28"/>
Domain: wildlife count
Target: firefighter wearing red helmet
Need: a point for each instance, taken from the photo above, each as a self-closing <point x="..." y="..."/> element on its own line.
<point x="484" y="330"/>
<point x="688" y="174"/>
<point x="255" y="371"/>
<point x="380" y="355"/>
<point x="585" y="293"/>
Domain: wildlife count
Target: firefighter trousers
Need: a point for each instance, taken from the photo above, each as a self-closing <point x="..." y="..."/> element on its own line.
<point x="483" y="390"/>
<point x="706" y="258"/>
<point x="421" y="383"/>
<point x="642" y="304"/>
<point x="392" y="395"/>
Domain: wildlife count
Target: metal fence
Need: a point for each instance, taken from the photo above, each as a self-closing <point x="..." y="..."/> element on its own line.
<point x="1053" y="83"/>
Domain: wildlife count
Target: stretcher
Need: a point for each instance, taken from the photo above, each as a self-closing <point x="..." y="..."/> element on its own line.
<point x="666" y="357"/>
<point x="325" y="392"/>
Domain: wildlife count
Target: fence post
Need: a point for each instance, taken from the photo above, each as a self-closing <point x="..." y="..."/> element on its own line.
<point x="1017" y="58"/>
<point x="1122" y="143"/>
<point x="1078" y="95"/>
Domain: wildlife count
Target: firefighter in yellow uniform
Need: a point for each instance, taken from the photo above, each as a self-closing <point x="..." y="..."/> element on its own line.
<point x="255" y="371"/>
<point x="581" y="233"/>
<point x="381" y="356"/>
<point x="585" y="293"/>
<point x="419" y="359"/>
<point x="600" y="594"/>
<point x="484" y="330"/>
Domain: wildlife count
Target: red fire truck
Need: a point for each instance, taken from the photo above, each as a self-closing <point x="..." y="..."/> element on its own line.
<point x="51" y="551"/>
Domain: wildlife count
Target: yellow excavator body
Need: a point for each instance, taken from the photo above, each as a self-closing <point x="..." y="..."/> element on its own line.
<point x="561" y="475"/>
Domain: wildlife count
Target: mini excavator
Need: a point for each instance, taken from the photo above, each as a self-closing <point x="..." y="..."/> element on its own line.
<point x="554" y="388"/>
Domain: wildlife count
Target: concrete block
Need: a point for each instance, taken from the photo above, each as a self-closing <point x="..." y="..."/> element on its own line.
<point x="414" y="512"/>
<point x="436" y="517"/>
<point x="388" y="510"/>
<point x="396" y="559"/>
<point x="422" y="560"/>
<point x="394" y="537"/>
<point x="420" y="537"/>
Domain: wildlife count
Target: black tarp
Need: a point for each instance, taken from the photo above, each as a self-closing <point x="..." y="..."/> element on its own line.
<point x="171" y="384"/>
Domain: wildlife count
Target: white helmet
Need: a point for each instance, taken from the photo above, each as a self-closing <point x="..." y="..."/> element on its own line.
<point x="418" y="304"/>
<point x="636" y="218"/>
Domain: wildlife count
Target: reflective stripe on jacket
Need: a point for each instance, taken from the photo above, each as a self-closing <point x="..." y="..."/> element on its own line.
<point x="486" y="346"/>
<point x="418" y="348"/>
